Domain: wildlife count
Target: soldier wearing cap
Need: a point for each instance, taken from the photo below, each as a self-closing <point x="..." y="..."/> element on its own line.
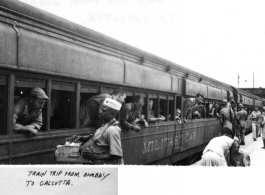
<point x="242" y="117"/>
<point x="27" y="116"/>
<point x="105" y="145"/>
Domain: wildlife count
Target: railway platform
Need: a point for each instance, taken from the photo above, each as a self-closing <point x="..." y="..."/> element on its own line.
<point x="253" y="149"/>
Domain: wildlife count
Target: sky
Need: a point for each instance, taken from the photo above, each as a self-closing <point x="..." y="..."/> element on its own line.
<point x="218" y="38"/>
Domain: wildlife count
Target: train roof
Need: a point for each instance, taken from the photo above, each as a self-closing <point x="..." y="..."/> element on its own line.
<point x="29" y="12"/>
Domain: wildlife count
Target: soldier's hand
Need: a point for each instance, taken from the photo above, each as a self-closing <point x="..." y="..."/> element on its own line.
<point x="136" y="128"/>
<point x="33" y="131"/>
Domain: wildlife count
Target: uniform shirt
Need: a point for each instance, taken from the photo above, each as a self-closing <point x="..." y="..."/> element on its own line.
<point x="22" y="116"/>
<point x="89" y="111"/>
<point x="220" y="145"/>
<point x="227" y="115"/>
<point x="241" y="116"/>
<point x="128" y="115"/>
<point x="254" y="116"/>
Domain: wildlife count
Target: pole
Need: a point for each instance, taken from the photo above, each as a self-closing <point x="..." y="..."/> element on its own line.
<point x="238" y="81"/>
<point x="253" y="80"/>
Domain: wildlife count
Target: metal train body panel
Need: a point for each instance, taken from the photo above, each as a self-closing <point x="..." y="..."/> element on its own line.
<point x="40" y="49"/>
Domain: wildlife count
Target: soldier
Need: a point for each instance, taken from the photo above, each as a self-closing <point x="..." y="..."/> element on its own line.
<point x="242" y="117"/>
<point x="227" y="116"/>
<point x="129" y="113"/>
<point x="152" y="117"/>
<point x="27" y="117"/>
<point x="199" y="110"/>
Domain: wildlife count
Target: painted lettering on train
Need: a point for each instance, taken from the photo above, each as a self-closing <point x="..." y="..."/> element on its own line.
<point x="154" y="145"/>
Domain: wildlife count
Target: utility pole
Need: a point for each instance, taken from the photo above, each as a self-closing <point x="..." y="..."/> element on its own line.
<point x="253" y="80"/>
<point x="245" y="83"/>
<point x="238" y="81"/>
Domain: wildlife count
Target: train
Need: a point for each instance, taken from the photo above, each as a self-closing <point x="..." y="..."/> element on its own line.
<point x="72" y="63"/>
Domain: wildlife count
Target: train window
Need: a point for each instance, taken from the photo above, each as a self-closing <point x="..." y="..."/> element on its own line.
<point x="171" y="108"/>
<point x="23" y="86"/>
<point x="188" y="108"/>
<point x="88" y="91"/>
<point x="178" y="109"/>
<point x="62" y="112"/>
<point x="129" y="96"/>
<point x="153" y="107"/>
<point x="144" y="108"/>
<point x="207" y="104"/>
<point x="3" y="105"/>
<point x="163" y="108"/>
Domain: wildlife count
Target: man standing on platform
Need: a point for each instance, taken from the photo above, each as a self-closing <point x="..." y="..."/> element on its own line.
<point x="242" y="117"/>
<point x="254" y="116"/>
<point x="227" y="116"/>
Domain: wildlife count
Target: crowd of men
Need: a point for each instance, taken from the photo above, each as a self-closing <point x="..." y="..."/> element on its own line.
<point x="105" y="143"/>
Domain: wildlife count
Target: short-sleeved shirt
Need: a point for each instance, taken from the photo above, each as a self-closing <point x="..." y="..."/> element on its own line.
<point x="227" y="115"/>
<point x="241" y="116"/>
<point x="89" y="111"/>
<point x="220" y="145"/>
<point x="22" y="116"/>
<point x="256" y="115"/>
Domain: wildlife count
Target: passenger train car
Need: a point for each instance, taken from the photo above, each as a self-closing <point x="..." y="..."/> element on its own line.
<point x="72" y="63"/>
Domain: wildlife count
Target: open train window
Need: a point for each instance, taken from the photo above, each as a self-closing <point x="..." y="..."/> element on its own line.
<point x="153" y="107"/>
<point x="178" y="109"/>
<point x="163" y="108"/>
<point x="171" y="108"/>
<point x="144" y="108"/>
<point x="63" y="102"/>
<point x="23" y="86"/>
<point x="3" y="105"/>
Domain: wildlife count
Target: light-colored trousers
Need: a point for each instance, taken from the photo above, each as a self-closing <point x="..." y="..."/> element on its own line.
<point x="212" y="159"/>
<point x="255" y="129"/>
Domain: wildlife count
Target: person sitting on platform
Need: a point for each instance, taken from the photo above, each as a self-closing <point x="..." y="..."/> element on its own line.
<point x="27" y="116"/>
<point x="152" y="118"/>
<point x="105" y="146"/>
<point x="89" y="108"/>
<point x="129" y="113"/>
<point x="217" y="152"/>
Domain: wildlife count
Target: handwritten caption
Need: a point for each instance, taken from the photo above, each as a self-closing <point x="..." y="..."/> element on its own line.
<point x="61" y="178"/>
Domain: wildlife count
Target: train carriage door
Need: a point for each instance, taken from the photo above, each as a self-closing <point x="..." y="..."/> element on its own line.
<point x="3" y="104"/>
